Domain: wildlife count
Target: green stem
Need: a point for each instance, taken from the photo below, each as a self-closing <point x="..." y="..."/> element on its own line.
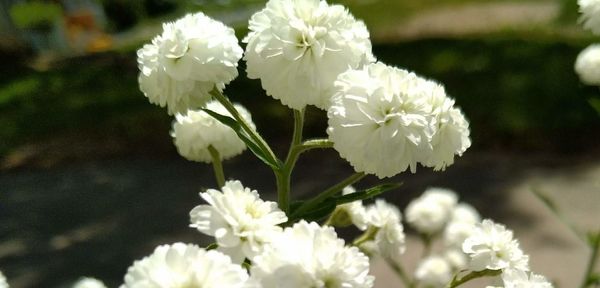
<point x="365" y="237"/>
<point x="285" y="173"/>
<point x="312" y="203"/>
<point x="594" y="242"/>
<point x="473" y="275"/>
<point x="245" y="126"/>
<point x="217" y="166"/>
<point x="426" y="245"/>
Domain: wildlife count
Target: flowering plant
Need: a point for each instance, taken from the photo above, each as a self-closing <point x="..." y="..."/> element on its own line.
<point x="383" y="120"/>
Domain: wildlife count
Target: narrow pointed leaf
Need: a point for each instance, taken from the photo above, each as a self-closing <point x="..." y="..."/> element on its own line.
<point x="231" y="123"/>
<point x="366" y="194"/>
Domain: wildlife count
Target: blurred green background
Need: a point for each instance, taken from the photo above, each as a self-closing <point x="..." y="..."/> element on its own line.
<point x="514" y="78"/>
<point x="69" y="94"/>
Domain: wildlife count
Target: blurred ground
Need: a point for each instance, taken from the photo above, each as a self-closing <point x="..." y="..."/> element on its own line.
<point x="89" y="180"/>
<point x="95" y="218"/>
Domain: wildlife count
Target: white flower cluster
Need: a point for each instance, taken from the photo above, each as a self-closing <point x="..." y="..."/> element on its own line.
<point x="384" y="120"/>
<point x="587" y="64"/>
<point x="240" y="221"/>
<point x="195" y="131"/>
<point x="297" y="48"/>
<point x="191" y="57"/>
<point x="181" y="265"/>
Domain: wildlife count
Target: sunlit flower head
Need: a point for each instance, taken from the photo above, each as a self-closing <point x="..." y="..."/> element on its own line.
<point x="431" y="211"/>
<point x="297" y="48"/>
<point x="191" y="57"/>
<point x="520" y="279"/>
<point x="307" y="255"/>
<point x="240" y="221"/>
<point x="491" y="246"/>
<point x="380" y="120"/>
<point x="181" y="265"/>
<point x="590" y="15"/>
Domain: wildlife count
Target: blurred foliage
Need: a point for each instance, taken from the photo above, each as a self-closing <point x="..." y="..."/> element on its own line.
<point x="517" y="94"/>
<point x="35" y="14"/>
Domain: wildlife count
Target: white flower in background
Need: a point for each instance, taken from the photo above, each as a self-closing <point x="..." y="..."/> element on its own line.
<point x="3" y="283"/>
<point x="307" y="255"/>
<point x="491" y="246"/>
<point x="590" y="10"/>
<point x="451" y="135"/>
<point x="380" y="120"/>
<point x="181" y="265"/>
<point x="433" y="272"/>
<point x="88" y="282"/>
<point x="191" y="57"/>
<point x="456" y="258"/>
<point x="521" y="279"/>
<point x="353" y="213"/>
<point x="430" y="212"/>
<point x="465" y="213"/>
<point x="456" y="233"/>
<point x="240" y="221"/>
<point x="298" y="47"/>
<point x="587" y="65"/>
<point x="389" y="238"/>
<point x="194" y="131"/>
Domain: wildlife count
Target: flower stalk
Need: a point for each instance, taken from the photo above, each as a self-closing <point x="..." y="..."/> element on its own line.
<point x="217" y="165"/>
<point x="473" y="275"/>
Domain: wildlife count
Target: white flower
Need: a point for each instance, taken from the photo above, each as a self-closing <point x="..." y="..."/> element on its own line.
<point x="587" y="65"/>
<point x="465" y="213"/>
<point x="240" y="221"/>
<point x="430" y="212"/>
<point x="389" y="238"/>
<point x="491" y="246"/>
<point x="590" y="10"/>
<point x="380" y="120"/>
<point x="191" y="57"/>
<point x="181" y="265"/>
<point x="298" y="48"/>
<point x="350" y="213"/>
<point x="451" y="135"/>
<point x="521" y="279"/>
<point x="433" y="272"/>
<point x="194" y="131"/>
<point x="456" y="233"/>
<point x="307" y="255"/>
<point x="3" y="283"/>
<point x="456" y="258"/>
<point x="87" y="282"/>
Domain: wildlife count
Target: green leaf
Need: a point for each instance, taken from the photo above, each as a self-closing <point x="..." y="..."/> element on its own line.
<point x="366" y="194"/>
<point x="324" y="208"/>
<point x="595" y="103"/>
<point x="255" y="148"/>
<point x="212" y="246"/>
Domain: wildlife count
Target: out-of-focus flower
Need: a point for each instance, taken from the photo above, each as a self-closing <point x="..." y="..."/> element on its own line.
<point x="433" y="272"/>
<point x="88" y="282"/>
<point x="191" y="57"/>
<point x="307" y="255"/>
<point x="590" y="15"/>
<point x="521" y="279"/>
<point x="240" y="221"/>
<point x="298" y="47"/>
<point x="195" y="131"/>
<point x="430" y="212"/>
<point x="491" y="246"/>
<point x="3" y="283"/>
<point x="456" y="258"/>
<point x="465" y="213"/>
<point x="587" y="64"/>
<point x="181" y="265"/>
<point x="389" y="238"/>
